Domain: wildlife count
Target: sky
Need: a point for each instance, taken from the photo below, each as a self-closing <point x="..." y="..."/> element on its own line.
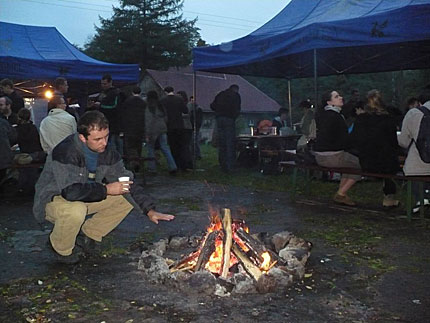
<point x="219" y="20"/>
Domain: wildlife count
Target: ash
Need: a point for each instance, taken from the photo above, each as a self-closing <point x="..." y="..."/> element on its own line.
<point x="156" y="263"/>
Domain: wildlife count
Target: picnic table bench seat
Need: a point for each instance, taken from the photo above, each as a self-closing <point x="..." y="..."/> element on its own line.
<point x="354" y="171"/>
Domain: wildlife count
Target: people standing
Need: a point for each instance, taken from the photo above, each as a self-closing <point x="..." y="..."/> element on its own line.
<point x="188" y="132"/>
<point x="57" y="125"/>
<point x="8" y="89"/>
<point x="61" y="87"/>
<point x="227" y="106"/>
<point x="156" y="130"/>
<point x="332" y="143"/>
<point x="108" y="102"/>
<point x="133" y="123"/>
<point x="81" y="177"/>
<point x="196" y="117"/>
<point x="175" y="108"/>
<point x="7" y="139"/>
<point x="414" y="165"/>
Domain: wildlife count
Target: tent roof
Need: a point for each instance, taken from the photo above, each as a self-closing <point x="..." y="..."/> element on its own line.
<point x="42" y="53"/>
<point x="350" y="36"/>
<point x="208" y="85"/>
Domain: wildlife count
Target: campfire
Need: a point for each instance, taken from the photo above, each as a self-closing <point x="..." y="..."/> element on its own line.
<point x="227" y="254"/>
<point x="226" y="243"/>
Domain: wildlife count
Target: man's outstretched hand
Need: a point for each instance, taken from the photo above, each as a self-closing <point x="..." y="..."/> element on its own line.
<point x="155" y="216"/>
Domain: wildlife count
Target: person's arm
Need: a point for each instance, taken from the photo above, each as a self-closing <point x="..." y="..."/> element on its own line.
<point x="406" y="136"/>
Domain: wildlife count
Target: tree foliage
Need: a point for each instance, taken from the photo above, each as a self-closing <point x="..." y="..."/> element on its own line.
<point x="151" y="33"/>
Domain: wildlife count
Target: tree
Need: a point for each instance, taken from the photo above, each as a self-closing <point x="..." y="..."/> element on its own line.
<point x="151" y="33"/>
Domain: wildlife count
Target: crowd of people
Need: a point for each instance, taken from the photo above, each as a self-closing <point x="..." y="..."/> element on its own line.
<point x="369" y="136"/>
<point x="83" y="154"/>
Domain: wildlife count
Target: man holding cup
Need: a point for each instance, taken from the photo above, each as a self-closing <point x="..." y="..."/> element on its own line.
<point x="84" y="177"/>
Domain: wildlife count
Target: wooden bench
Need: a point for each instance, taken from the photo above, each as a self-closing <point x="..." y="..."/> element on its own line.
<point x="396" y="177"/>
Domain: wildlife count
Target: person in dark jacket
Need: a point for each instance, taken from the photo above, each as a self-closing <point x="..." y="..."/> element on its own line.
<point x="332" y="143"/>
<point x="30" y="150"/>
<point x="196" y="118"/>
<point x="227" y="106"/>
<point x="374" y="136"/>
<point x="7" y="139"/>
<point x="176" y="136"/>
<point x="8" y="89"/>
<point x="133" y="124"/>
<point x="109" y="102"/>
<point x="83" y="176"/>
<point x="6" y="111"/>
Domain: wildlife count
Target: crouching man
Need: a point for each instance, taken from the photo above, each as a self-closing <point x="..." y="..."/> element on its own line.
<point x="80" y="178"/>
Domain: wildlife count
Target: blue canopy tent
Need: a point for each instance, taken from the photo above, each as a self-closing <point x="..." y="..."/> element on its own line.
<point x="42" y="53"/>
<point x="328" y="37"/>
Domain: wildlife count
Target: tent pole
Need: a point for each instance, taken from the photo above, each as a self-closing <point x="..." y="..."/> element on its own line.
<point x="315" y="79"/>
<point x="194" y="139"/>
<point x="289" y="103"/>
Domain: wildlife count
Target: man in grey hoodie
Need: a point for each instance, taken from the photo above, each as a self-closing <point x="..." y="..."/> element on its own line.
<point x="414" y="165"/>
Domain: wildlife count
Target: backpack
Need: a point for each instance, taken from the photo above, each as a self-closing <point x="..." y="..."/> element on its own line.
<point x="423" y="139"/>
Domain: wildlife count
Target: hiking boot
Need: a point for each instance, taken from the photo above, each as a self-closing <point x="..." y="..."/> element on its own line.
<point x="390" y="201"/>
<point x="417" y="206"/>
<point x="343" y="199"/>
<point x="89" y="246"/>
<point x="74" y="258"/>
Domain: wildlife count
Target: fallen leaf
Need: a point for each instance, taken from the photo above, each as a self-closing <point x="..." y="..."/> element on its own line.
<point x="308" y="275"/>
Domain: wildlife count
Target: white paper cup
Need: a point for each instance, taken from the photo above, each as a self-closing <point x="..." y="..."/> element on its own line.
<point x="125" y="179"/>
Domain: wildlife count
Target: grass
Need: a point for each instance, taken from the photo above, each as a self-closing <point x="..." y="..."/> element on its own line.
<point x="364" y="192"/>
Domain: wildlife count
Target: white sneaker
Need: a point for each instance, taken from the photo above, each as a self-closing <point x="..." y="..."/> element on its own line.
<point x="417" y="206"/>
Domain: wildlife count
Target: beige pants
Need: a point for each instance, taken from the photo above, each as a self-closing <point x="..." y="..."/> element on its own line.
<point x="69" y="217"/>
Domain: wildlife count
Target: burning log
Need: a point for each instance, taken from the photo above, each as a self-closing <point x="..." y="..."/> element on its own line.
<point x="250" y="268"/>
<point x="256" y="246"/>
<point x="228" y="239"/>
<point x="206" y="251"/>
<point x="184" y="263"/>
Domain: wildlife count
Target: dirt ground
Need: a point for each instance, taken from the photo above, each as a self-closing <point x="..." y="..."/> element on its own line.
<point x="366" y="265"/>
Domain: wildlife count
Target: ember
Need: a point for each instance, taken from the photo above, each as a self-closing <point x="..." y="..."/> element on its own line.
<point x="228" y="251"/>
<point x="226" y="243"/>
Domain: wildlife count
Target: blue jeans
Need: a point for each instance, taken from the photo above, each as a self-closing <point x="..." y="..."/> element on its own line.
<point x="162" y="139"/>
<point x="115" y="141"/>
<point x="226" y="142"/>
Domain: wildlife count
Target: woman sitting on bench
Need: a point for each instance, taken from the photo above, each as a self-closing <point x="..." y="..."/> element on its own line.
<point x="331" y="143"/>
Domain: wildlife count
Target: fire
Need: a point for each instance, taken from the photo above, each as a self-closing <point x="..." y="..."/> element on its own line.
<point x="266" y="261"/>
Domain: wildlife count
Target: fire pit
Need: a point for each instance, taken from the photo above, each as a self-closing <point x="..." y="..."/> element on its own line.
<point x="227" y="259"/>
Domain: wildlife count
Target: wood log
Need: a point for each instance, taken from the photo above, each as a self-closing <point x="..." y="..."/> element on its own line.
<point x="185" y="262"/>
<point x="206" y="251"/>
<point x="256" y="246"/>
<point x="250" y="268"/>
<point x="228" y="238"/>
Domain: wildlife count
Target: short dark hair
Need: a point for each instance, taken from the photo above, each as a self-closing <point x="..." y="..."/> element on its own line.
<point x="169" y="89"/>
<point x="59" y="81"/>
<point x="412" y="100"/>
<point x="92" y="120"/>
<point x="234" y="87"/>
<point x="305" y="104"/>
<point x="424" y="94"/>
<point x="107" y="77"/>
<point x="6" y="82"/>
<point x="8" y="101"/>
<point x="55" y="101"/>
<point x="183" y="95"/>
<point x="152" y="95"/>
<point x="282" y="110"/>
<point x="136" y="90"/>
<point x="24" y="114"/>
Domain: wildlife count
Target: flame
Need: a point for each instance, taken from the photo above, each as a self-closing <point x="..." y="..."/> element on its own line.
<point x="265" y="265"/>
